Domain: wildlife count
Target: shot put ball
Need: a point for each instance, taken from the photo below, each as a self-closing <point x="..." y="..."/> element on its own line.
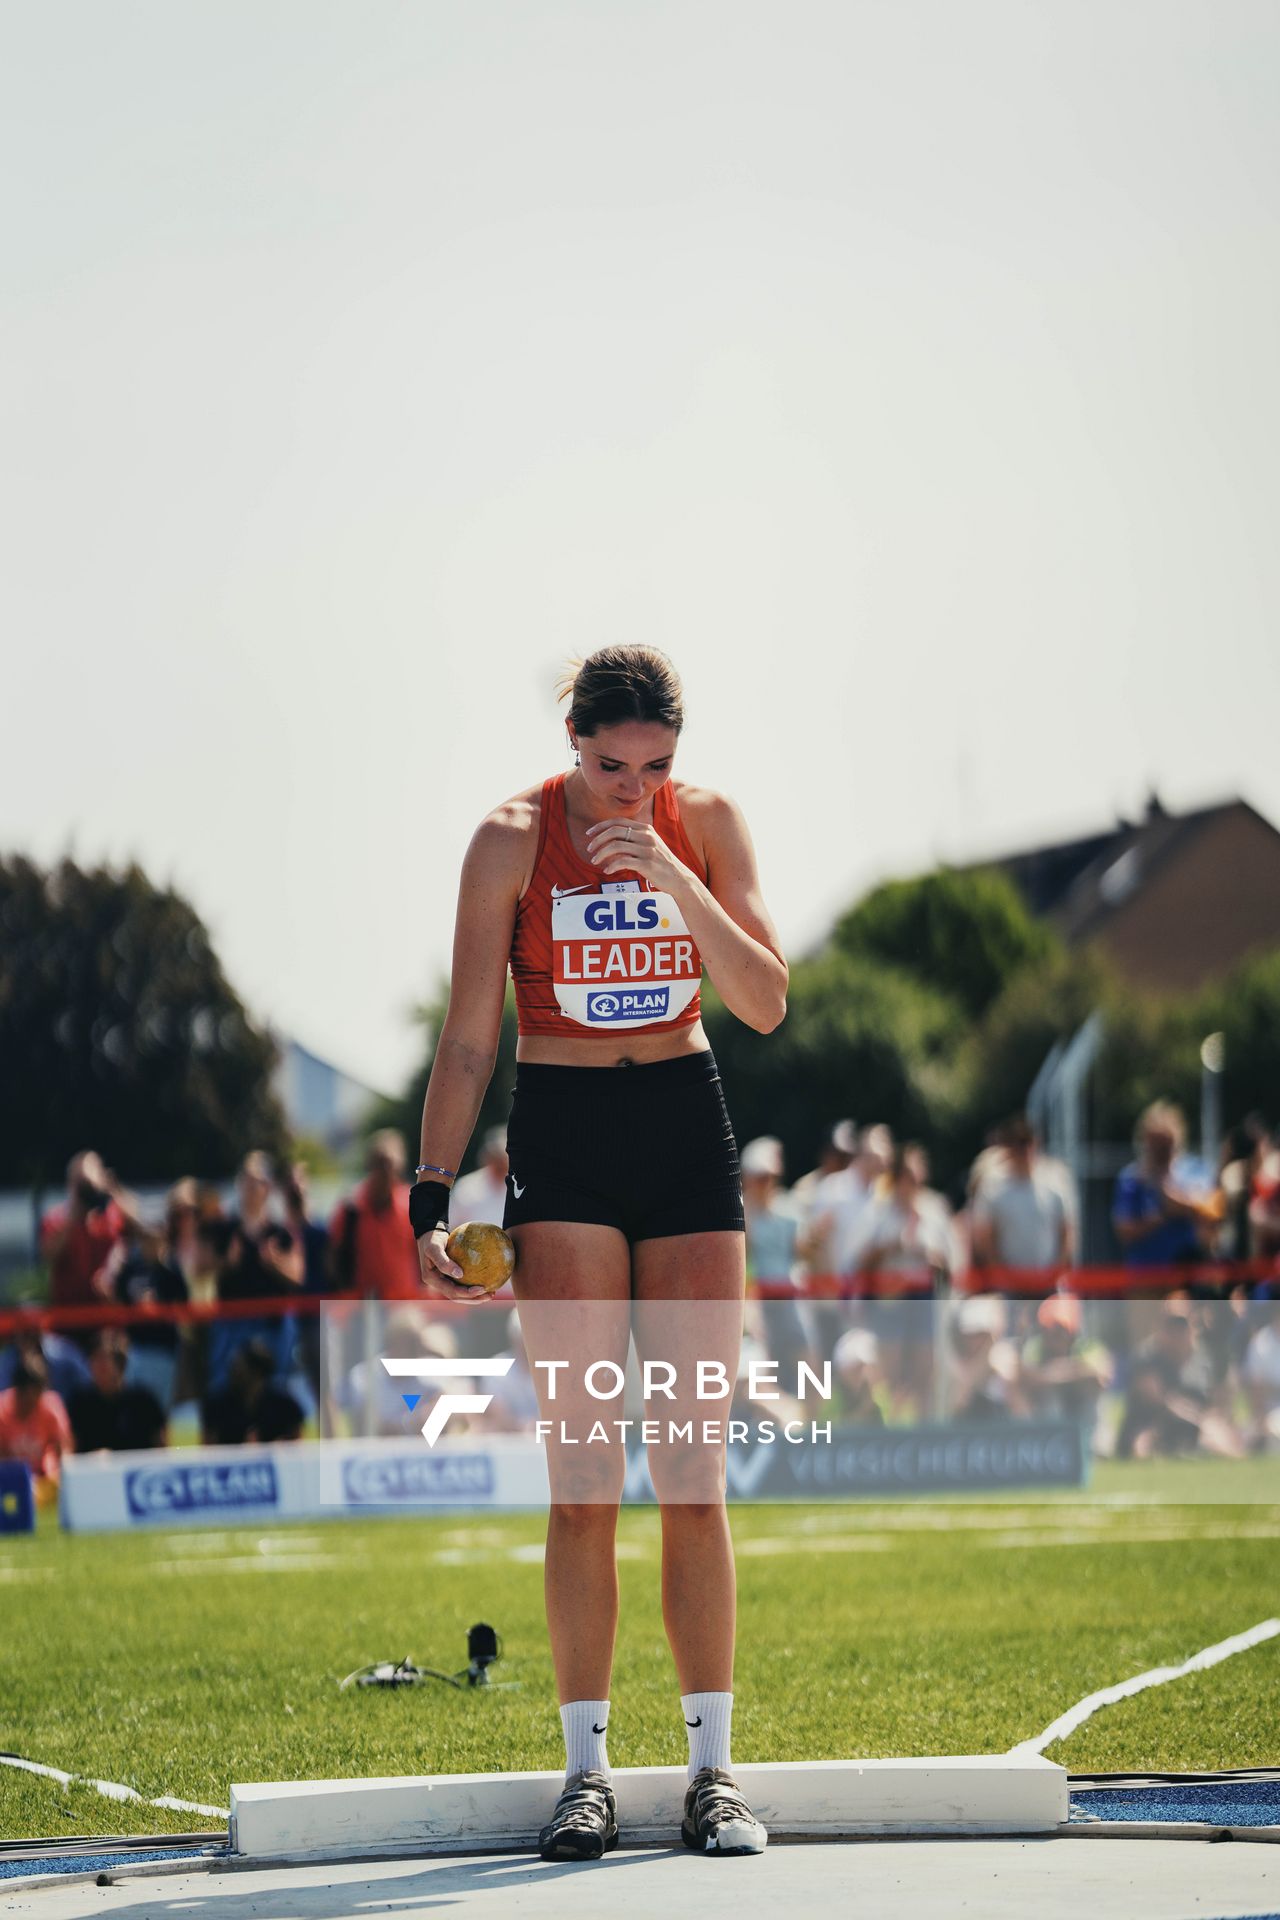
<point x="484" y="1252"/>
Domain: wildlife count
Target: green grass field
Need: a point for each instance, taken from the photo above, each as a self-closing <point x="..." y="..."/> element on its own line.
<point x="178" y="1662"/>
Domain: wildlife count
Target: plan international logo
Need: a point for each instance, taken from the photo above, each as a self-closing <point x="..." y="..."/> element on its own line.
<point x="401" y="1481"/>
<point x="150" y="1491"/>
<point x="639" y="1003"/>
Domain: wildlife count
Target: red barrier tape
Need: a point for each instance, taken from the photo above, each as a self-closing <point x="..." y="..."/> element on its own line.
<point x="1086" y="1283"/>
<point x="179" y="1312"/>
<point x="1105" y="1283"/>
<point x="112" y="1314"/>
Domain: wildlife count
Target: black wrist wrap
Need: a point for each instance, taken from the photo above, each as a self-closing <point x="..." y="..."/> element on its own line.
<point x="428" y="1206"/>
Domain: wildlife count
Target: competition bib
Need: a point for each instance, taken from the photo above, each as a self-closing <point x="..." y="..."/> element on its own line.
<point x="620" y="957"/>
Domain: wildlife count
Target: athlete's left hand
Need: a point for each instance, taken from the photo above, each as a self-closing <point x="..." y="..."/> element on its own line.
<point x="645" y="852"/>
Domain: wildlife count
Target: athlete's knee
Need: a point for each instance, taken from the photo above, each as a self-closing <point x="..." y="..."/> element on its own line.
<point x="587" y="1479"/>
<point x="695" y="1514"/>
<point x="687" y="1479"/>
<point x="585" y="1518"/>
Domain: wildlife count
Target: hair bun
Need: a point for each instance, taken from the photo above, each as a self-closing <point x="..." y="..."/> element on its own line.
<point x="617" y="684"/>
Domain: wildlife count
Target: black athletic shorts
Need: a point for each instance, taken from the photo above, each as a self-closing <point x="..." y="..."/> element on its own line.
<point x="648" y="1149"/>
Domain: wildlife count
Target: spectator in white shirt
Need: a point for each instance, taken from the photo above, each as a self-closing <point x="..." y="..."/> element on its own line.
<point x="840" y="1202"/>
<point x="482" y="1195"/>
<point x="1024" y="1213"/>
<point x="904" y="1230"/>
<point x="839" y="1144"/>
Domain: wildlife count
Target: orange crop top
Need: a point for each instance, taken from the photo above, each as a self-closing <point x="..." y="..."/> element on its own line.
<point x="597" y="955"/>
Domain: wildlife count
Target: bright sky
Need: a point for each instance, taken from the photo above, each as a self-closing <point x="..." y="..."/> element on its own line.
<point x="907" y="371"/>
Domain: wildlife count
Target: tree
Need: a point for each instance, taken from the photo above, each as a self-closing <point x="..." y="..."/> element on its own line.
<point x="859" y="1039"/>
<point x="405" y="1113"/>
<point x="962" y="934"/>
<point x="1002" y="1052"/>
<point x="118" y="1030"/>
<point x="1245" y="1009"/>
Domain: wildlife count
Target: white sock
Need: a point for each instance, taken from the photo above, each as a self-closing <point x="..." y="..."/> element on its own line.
<point x="585" y="1723"/>
<point x="707" y="1717"/>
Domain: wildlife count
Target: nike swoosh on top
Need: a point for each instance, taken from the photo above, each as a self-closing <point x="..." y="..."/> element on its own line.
<point x="694" y="1723"/>
<point x="558" y="893"/>
<point x="517" y="1190"/>
<point x="596" y="1729"/>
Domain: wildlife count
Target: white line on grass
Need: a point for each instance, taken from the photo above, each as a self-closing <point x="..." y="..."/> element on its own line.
<point x="112" y="1789"/>
<point x="1107" y="1696"/>
<point x="763" y="1545"/>
<point x="1000" y="1519"/>
<point x="1150" y="1536"/>
<point x="246" y="1563"/>
<point x="188" y="1544"/>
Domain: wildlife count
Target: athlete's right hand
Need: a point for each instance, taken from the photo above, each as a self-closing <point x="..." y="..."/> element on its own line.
<point x="439" y="1273"/>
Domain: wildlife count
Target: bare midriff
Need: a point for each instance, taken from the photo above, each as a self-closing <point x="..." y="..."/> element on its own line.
<point x="637" y="1050"/>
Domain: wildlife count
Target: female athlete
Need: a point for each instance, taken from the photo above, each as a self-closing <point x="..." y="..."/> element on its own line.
<point x="624" y="1185"/>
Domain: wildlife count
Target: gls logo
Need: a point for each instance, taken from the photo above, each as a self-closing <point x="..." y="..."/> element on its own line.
<point x="447" y="1403"/>
<point x="612" y="916"/>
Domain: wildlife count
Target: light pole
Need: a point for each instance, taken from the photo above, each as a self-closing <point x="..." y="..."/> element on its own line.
<point x="1213" y="1056"/>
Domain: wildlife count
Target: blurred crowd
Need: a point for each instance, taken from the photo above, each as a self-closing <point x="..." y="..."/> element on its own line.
<point x="252" y="1376"/>
<point x="866" y="1213"/>
<point x="1198" y="1371"/>
<point x="864" y="1223"/>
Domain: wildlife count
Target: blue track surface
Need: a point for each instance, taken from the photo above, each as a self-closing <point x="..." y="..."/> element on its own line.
<point x="1222" y="1803"/>
<point x="93" y="1862"/>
